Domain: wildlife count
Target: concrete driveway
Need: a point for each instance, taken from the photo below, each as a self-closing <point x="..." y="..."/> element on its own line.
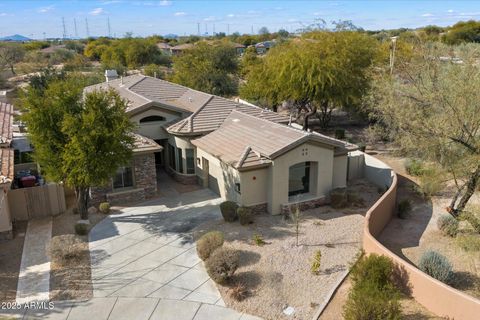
<point x="145" y="266"/>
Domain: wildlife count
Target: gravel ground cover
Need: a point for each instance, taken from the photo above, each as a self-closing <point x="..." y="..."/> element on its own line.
<point x="277" y="275"/>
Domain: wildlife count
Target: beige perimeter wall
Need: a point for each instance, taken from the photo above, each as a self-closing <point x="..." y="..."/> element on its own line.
<point x="5" y="219"/>
<point x="434" y="295"/>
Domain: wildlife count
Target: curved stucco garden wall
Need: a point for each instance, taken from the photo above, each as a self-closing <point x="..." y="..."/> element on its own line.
<point x="434" y="295"/>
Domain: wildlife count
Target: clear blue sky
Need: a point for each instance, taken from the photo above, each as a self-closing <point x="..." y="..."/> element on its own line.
<point x="33" y="18"/>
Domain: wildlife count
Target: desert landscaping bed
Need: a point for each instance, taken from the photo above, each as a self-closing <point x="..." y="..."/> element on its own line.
<point x="10" y="260"/>
<point x="72" y="280"/>
<point x="418" y="232"/>
<point x="277" y="274"/>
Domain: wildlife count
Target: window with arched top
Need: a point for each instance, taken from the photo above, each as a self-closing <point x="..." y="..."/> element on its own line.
<point x="152" y="119"/>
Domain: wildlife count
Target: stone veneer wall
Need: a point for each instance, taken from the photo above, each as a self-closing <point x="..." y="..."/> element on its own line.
<point x="145" y="178"/>
<point x="182" y="178"/>
<point x="304" y="205"/>
<point x="258" y="208"/>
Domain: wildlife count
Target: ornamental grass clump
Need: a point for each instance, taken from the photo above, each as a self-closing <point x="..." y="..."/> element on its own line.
<point x="245" y="215"/>
<point x="448" y="225"/>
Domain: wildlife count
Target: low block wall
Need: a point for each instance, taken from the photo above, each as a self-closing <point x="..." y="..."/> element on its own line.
<point x="434" y="295"/>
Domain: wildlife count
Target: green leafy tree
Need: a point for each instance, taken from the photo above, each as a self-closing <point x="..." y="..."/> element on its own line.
<point x="11" y="53"/>
<point x="323" y="71"/>
<point x="463" y="31"/>
<point x="79" y="140"/>
<point x="430" y="108"/>
<point x="208" y="68"/>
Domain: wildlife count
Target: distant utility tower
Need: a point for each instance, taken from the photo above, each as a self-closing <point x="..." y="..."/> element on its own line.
<point x="64" y="29"/>
<point x="86" y="27"/>
<point x="109" y="31"/>
<point x="75" y="25"/>
<point x="214" y="29"/>
<point x="252" y="29"/>
<point x="198" y="28"/>
<point x="228" y="29"/>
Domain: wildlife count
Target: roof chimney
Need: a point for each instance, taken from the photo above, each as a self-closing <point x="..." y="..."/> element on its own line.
<point x="111" y="74"/>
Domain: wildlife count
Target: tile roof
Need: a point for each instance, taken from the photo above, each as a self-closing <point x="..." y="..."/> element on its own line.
<point x="143" y="144"/>
<point x="6" y="123"/>
<point x="163" y="45"/>
<point x="246" y="141"/>
<point x="212" y="114"/>
<point x="6" y="137"/>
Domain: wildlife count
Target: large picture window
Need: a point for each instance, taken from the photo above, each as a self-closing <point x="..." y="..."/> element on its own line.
<point x="123" y="178"/>
<point x="299" y="179"/>
<point x="180" y="160"/>
<point x="171" y="157"/>
<point x="190" y="156"/>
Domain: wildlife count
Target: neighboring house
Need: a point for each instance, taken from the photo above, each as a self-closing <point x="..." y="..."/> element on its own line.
<point x="242" y="152"/>
<point x="181" y="48"/>
<point x="165" y="48"/>
<point x="263" y="47"/>
<point x="239" y="48"/>
<point x="6" y="167"/>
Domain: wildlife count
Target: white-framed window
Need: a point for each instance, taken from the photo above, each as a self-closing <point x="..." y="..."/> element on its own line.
<point x="190" y="161"/>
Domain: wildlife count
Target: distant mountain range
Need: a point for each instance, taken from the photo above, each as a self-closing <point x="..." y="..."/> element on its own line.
<point x="15" y="38"/>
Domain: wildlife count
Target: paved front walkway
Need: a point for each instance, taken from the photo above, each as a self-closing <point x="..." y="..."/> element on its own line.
<point x="145" y="266"/>
<point x="34" y="277"/>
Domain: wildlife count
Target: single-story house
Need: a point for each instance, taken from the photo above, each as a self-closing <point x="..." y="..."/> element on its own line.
<point x="263" y="47"/>
<point x="6" y="168"/>
<point x="165" y="48"/>
<point x="239" y="48"/>
<point x="176" y="50"/>
<point x="242" y="152"/>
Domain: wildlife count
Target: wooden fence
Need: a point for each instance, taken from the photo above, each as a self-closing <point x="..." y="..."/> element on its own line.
<point x="36" y="202"/>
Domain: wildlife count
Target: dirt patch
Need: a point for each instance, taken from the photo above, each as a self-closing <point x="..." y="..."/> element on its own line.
<point x="73" y="279"/>
<point x="277" y="275"/>
<point x="10" y="260"/>
<point x="411" y="237"/>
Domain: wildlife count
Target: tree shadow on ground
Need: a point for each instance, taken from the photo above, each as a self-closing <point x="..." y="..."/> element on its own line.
<point x="466" y="281"/>
<point x="406" y="233"/>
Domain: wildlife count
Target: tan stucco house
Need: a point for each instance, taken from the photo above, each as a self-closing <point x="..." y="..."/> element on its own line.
<point x="242" y="152"/>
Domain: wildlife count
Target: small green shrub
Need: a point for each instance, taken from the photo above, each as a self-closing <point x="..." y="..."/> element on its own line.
<point x="229" y="210"/>
<point x="317" y="258"/>
<point x="430" y="184"/>
<point x="340" y="134"/>
<point x="375" y="269"/>
<point x="258" y="240"/>
<point x="414" y="167"/>
<point x="338" y="198"/>
<point x="245" y="215"/>
<point x="222" y="264"/>
<point x="81" y="229"/>
<point x="208" y="243"/>
<point x="472" y="216"/>
<point x="436" y="265"/>
<point x="104" y="207"/>
<point x="403" y="208"/>
<point x="469" y="243"/>
<point x="368" y="303"/>
<point x="373" y="294"/>
<point x="448" y="225"/>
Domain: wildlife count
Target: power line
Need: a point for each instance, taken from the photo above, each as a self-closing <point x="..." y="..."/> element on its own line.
<point x="86" y="27"/>
<point x="228" y="29"/>
<point x="64" y="29"/>
<point x="109" y="31"/>
<point x="75" y="25"/>
<point x="198" y="28"/>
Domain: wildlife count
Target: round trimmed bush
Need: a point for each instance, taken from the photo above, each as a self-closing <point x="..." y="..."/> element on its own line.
<point x="104" y="207"/>
<point x="222" y="264"/>
<point x="229" y="210"/>
<point x="81" y="229"/>
<point x="448" y="225"/>
<point x="245" y="215"/>
<point x="436" y="265"/>
<point x="208" y="243"/>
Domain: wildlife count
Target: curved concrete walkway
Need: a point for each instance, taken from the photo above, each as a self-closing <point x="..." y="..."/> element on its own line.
<point x="145" y="265"/>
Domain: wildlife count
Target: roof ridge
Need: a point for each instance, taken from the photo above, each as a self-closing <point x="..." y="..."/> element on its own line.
<point x="198" y="111"/>
<point x="244" y="156"/>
